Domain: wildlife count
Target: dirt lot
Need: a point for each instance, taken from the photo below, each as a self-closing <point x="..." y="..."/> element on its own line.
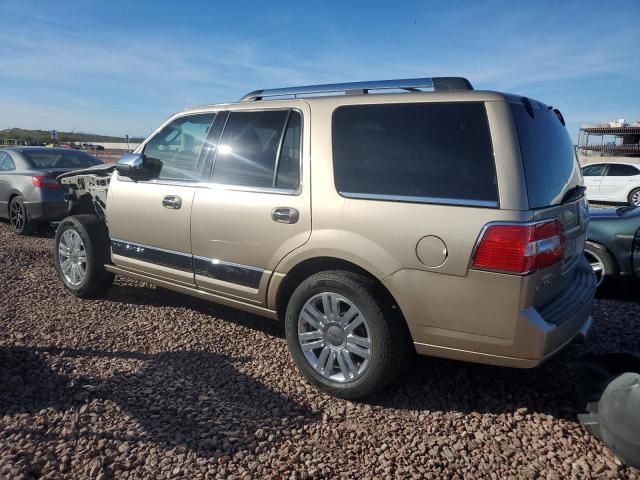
<point x="145" y="383"/>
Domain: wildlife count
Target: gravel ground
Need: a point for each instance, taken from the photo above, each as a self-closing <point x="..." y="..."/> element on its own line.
<point x="149" y="384"/>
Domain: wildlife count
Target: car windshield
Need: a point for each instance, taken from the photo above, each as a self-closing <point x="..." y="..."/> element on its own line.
<point x="628" y="210"/>
<point x="72" y="159"/>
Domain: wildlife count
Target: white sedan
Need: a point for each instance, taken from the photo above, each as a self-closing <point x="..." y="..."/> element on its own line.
<point x="613" y="182"/>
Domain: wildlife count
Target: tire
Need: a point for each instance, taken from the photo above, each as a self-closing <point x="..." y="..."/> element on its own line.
<point x="350" y="375"/>
<point x="90" y="278"/>
<point x="19" y="217"/>
<point x="599" y="257"/>
<point x="634" y="198"/>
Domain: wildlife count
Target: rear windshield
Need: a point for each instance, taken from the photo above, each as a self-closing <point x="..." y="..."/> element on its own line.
<point x="72" y="159"/>
<point x="550" y="164"/>
<point x="420" y="152"/>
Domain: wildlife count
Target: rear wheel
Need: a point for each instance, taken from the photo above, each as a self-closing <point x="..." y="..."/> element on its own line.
<point x="634" y="197"/>
<point x="342" y="338"/>
<point x="81" y="251"/>
<point x="602" y="263"/>
<point x="19" y="217"/>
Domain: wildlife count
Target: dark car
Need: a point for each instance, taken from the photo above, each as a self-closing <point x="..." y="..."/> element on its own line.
<point x="29" y="193"/>
<point x="613" y="243"/>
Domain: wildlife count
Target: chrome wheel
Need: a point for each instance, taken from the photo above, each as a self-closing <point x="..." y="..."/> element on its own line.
<point x="72" y="257"/>
<point x="597" y="266"/>
<point x="635" y="198"/>
<point x="335" y="337"/>
<point x="17" y="215"/>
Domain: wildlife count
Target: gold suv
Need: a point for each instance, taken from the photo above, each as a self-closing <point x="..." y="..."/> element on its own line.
<point x="374" y="218"/>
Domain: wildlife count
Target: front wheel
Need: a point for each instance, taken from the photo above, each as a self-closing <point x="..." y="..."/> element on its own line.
<point x="341" y="336"/>
<point x="81" y="251"/>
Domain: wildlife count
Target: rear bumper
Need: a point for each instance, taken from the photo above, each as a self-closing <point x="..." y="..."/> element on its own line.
<point x="46" y="211"/>
<point x="536" y="334"/>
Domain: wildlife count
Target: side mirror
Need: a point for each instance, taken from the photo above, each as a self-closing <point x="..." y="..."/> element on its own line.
<point x="136" y="166"/>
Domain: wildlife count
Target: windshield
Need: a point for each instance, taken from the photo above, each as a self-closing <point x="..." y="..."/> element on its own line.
<point x="548" y="157"/>
<point x="71" y="159"/>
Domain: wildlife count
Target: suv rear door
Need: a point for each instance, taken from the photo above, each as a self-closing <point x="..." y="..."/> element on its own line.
<point x="149" y="221"/>
<point x="554" y="182"/>
<point x="257" y="207"/>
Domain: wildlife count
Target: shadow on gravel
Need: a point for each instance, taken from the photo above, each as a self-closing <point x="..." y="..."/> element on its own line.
<point x="144" y="294"/>
<point x="192" y="400"/>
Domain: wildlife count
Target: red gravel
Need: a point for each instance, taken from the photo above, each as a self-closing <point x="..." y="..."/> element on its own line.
<point x="150" y="384"/>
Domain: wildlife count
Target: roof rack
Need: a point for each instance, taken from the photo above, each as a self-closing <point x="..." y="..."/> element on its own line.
<point x="408" y="84"/>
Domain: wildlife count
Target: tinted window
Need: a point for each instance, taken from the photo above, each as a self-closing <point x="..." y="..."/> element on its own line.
<point x="178" y="145"/>
<point x="621" y="170"/>
<point x="594" y="170"/>
<point x="248" y="149"/>
<point x="433" y="150"/>
<point x="550" y="164"/>
<point x="71" y="159"/>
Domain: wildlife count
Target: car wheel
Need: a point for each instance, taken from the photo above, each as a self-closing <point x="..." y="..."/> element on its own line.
<point x="342" y="338"/>
<point x="634" y="197"/>
<point x="602" y="264"/>
<point x="19" y="218"/>
<point x="81" y="251"/>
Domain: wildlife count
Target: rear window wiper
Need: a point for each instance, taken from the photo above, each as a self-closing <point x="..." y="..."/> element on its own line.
<point x="573" y="194"/>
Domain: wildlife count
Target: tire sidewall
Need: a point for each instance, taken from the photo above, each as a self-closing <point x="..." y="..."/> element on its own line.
<point x="72" y="224"/>
<point x="371" y="312"/>
<point x="25" y="225"/>
<point x="630" y="198"/>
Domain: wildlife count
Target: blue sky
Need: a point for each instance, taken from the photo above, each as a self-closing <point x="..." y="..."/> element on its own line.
<point x="121" y="67"/>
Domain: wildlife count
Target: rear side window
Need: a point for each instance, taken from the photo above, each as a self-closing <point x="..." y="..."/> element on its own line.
<point x="6" y="163"/>
<point x="423" y="152"/>
<point x="622" y="170"/>
<point x="549" y="160"/>
<point x="71" y="159"/>
<point x="260" y="149"/>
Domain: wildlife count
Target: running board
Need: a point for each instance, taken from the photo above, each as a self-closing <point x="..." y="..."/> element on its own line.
<point x="194" y="292"/>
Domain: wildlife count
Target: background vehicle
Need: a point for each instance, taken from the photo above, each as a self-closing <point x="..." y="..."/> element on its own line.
<point x="451" y="223"/>
<point x="29" y="193"/>
<point x="613" y="243"/>
<point x="613" y="182"/>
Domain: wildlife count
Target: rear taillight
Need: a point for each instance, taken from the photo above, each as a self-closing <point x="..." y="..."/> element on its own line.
<point x="520" y="249"/>
<point x="45" y="182"/>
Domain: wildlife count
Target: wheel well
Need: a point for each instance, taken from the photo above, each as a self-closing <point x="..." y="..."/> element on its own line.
<point x="319" y="264"/>
<point x="11" y="197"/>
<point x="612" y="257"/>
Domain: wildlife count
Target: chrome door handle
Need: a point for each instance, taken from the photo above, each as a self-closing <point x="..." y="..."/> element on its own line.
<point x="172" y="201"/>
<point x="285" y="215"/>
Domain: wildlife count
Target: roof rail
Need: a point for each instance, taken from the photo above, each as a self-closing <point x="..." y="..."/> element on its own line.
<point x="408" y="84"/>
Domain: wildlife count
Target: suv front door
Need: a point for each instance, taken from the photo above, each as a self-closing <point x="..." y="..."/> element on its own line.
<point x="149" y="221"/>
<point x="257" y="208"/>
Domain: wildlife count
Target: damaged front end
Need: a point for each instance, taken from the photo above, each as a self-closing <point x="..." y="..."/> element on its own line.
<point x="86" y="190"/>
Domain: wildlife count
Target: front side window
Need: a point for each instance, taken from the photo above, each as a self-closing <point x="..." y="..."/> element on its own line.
<point x="176" y="148"/>
<point x="438" y="152"/>
<point x="593" y="170"/>
<point x="622" y="170"/>
<point x="256" y="150"/>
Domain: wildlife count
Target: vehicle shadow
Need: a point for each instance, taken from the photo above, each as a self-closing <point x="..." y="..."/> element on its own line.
<point x="192" y="399"/>
<point x="131" y="292"/>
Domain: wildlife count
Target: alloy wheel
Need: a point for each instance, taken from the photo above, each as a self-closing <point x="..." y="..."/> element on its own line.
<point x="72" y="257"/>
<point x="335" y="337"/>
<point x="597" y="265"/>
<point x="635" y="199"/>
<point x="17" y="215"/>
